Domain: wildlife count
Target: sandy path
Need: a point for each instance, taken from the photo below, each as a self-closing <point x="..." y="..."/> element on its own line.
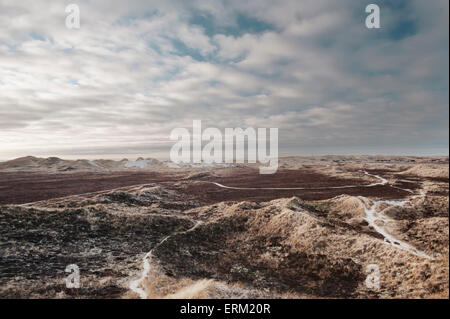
<point x="136" y="285"/>
<point x="372" y="216"/>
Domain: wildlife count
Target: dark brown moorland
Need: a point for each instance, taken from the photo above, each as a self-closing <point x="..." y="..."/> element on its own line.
<point x="315" y="182"/>
<point x="26" y="187"/>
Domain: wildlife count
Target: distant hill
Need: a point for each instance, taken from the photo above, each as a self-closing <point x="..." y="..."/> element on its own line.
<point x="55" y="164"/>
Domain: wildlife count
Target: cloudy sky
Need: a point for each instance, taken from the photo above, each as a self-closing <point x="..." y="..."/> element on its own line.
<point x="137" y="69"/>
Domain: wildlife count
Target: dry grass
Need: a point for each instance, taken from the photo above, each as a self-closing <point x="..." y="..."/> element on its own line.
<point x="427" y="170"/>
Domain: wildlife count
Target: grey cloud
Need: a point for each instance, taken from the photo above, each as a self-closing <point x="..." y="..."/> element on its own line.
<point x="319" y="75"/>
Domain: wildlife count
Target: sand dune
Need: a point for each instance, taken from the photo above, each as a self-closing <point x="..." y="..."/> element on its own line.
<point x="175" y="234"/>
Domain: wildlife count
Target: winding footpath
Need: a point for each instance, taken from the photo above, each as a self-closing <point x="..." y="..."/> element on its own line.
<point x="381" y="182"/>
<point x="137" y="284"/>
<point x="372" y="216"/>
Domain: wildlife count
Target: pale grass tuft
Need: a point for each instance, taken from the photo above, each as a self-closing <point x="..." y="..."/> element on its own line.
<point x="197" y="290"/>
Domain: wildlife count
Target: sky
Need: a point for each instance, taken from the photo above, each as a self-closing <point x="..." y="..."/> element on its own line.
<point x="135" y="70"/>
